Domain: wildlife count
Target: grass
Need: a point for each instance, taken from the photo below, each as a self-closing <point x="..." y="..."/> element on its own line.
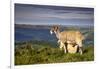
<point x="44" y="53"/>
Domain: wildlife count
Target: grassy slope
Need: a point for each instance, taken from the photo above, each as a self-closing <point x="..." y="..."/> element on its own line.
<point x="31" y="53"/>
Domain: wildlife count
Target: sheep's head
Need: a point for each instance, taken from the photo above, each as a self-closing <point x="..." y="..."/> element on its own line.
<point x="54" y="29"/>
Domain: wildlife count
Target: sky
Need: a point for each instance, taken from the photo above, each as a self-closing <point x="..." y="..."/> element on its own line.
<point x="49" y="15"/>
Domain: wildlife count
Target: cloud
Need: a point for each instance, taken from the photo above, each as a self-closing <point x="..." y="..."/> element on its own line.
<point x="36" y="13"/>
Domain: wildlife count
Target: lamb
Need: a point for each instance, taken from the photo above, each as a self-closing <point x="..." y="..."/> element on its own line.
<point x="71" y="48"/>
<point x="73" y="37"/>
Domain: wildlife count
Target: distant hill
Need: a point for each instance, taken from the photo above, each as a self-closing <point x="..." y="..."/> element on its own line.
<point x="49" y="26"/>
<point x="32" y="26"/>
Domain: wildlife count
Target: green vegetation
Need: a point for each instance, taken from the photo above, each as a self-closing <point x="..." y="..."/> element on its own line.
<point x="43" y="53"/>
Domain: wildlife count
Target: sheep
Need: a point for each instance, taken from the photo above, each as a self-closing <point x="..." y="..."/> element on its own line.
<point x="74" y="37"/>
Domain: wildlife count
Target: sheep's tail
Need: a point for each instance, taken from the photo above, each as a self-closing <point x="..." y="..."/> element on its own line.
<point x="82" y="37"/>
<point x="85" y="35"/>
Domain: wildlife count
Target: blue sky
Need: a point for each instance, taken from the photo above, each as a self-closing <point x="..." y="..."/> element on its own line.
<point x="49" y="15"/>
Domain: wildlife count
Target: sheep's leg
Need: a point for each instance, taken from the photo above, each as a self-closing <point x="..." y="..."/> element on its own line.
<point x="65" y="51"/>
<point x="81" y="50"/>
<point x="66" y="47"/>
<point x="80" y="47"/>
<point x="76" y="48"/>
<point x="61" y="45"/>
<point x="58" y="42"/>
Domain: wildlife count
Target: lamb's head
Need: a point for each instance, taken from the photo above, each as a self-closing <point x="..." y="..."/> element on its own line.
<point x="54" y="29"/>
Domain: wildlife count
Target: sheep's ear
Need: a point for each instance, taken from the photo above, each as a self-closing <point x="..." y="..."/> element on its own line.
<point x="57" y="27"/>
<point x="54" y="27"/>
